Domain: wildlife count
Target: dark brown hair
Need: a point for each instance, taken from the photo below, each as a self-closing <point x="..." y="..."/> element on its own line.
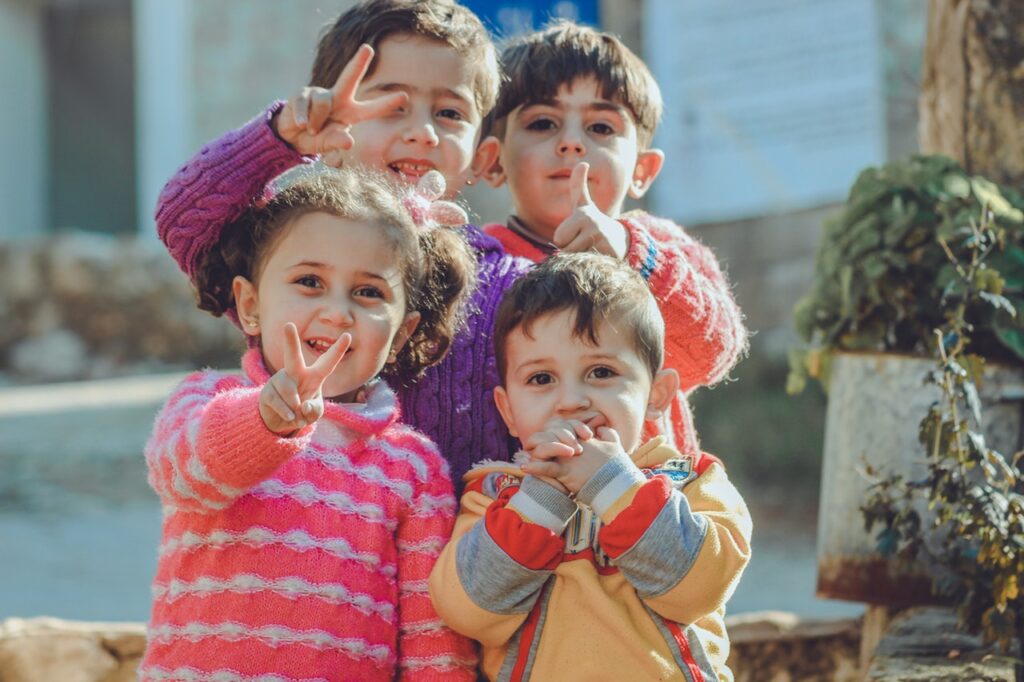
<point x="538" y="64"/>
<point x="595" y="288"/>
<point x="445" y="21"/>
<point x="437" y="265"/>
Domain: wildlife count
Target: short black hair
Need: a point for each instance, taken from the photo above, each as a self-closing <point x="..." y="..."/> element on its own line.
<point x="536" y="65"/>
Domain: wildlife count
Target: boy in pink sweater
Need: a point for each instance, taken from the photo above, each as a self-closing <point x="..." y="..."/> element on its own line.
<point x="575" y="118"/>
<point x="300" y="518"/>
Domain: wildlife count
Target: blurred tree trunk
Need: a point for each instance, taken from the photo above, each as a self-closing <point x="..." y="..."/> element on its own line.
<point x="972" y="86"/>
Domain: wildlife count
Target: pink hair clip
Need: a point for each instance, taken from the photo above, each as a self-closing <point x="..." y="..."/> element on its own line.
<point x="426" y="207"/>
<point x="266" y="196"/>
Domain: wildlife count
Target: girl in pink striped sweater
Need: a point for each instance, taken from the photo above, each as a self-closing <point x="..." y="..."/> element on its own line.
<point x="301" y="519"/>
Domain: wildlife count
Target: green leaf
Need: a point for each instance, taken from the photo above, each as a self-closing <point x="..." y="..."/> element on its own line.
<point x="998" y="302"/>
<point x="1012" y="337"/>
<point x="989" y="195"/>
<point x="957" y="185"/>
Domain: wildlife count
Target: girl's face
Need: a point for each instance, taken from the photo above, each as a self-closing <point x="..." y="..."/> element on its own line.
<point x="328" y="276"/>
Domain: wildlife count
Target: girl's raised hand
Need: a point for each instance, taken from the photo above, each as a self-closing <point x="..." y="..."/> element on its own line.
<point x="317" y="120"/>
<point x="293" y="397"/>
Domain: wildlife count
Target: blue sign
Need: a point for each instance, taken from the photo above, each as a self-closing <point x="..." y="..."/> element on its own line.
<point x="506" y="18"/>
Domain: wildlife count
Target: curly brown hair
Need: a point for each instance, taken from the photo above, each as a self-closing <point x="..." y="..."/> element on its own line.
<point x="437" y="265"/>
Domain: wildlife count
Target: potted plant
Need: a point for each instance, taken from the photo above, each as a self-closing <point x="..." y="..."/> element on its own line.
<point x="889" y="272"/>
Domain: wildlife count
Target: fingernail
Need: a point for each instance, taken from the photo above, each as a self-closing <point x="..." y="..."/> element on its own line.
<point x="289" y="416"/>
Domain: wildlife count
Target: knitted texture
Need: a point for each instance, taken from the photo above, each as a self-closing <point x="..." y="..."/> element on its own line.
<point x="300" y="558"/>
<point x="704" y="331"/>
<point x="216" y="185"/>
<point x="452" y="403"/>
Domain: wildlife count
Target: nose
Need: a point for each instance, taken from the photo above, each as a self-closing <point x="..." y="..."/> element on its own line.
<point x="572" y="399"/>
<point x="419" y="129"/>
<point x="571" y="142"/>
<point x="336" y="314"/>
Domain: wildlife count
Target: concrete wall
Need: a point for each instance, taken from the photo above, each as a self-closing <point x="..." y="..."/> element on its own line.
<point x="23" y="121"/>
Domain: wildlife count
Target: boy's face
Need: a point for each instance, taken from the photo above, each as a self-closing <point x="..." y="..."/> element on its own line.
<point x="555" y="375"/>
<point x="544" y="140"/>
<point x="438" y="127"/>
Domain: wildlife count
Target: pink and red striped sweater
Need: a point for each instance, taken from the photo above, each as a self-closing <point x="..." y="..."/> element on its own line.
<point x="302" y="558"/>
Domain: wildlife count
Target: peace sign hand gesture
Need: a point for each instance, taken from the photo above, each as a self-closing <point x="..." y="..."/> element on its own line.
<point x="293" y="397"/>
<point x="317" y="120"/>
<point x="587" y="228"/>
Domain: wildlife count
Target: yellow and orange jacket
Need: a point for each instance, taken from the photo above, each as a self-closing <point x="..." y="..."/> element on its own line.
<point x="628" y="581"/>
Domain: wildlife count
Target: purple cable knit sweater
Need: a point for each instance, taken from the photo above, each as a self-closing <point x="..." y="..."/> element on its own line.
<point x="452" y="403"/>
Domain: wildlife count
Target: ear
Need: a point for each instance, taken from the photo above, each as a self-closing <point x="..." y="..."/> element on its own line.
<point x="405" y="330"/>
<point x="485" y="156"/>
<point x="247" y="303"/>
<point x="648" y="165"/>
<point x="663" y="389"/>
<point x="495" y="173"/>
<point x="504" y="409"/>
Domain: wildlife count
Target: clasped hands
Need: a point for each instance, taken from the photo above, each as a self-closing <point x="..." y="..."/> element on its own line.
<point x="568" y="452"/>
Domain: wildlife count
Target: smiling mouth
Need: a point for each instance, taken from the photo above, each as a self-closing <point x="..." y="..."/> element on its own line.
<point x="320" y="346"/>
<point x="411" y="169"/>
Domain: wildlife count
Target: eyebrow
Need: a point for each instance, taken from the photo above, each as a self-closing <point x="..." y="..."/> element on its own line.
<point x="530" y="363"/>
<point x="407" y="87"/>
<point x="599" y="105"/>
<point x="325" y="266"/>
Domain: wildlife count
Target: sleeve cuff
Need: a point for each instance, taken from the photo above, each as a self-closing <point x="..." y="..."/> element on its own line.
<point x="541" y="503"/>
<point x="617" y="479"/>
<point x="642" y="252"/>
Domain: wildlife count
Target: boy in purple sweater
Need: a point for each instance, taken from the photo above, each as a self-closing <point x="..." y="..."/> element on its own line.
<point x="412" y="103"/>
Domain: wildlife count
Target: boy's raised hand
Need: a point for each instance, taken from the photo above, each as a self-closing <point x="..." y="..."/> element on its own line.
<point x="317" y="120"/>
<point x="293" y="397"/>
<point x="587" y="227"/>
<point x="595" y="444"/>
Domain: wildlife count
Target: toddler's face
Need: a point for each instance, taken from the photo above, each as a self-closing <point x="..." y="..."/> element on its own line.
<point x="552" y="374"/>
<point x="437" y="129"/>
<point x="329" y="276"/>
<point x="544" y="140"/>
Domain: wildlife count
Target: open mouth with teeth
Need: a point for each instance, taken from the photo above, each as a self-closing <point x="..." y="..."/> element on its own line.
<point x="319" y="346"/>
<point x="411" y="169"/>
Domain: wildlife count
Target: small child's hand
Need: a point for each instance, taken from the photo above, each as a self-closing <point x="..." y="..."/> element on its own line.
<point x="574" y="472"/>
<point x="560" y="438"/>
<point x="293" y="397"/>
<point x="317" y="120"/>
<point x="587" y="227"/>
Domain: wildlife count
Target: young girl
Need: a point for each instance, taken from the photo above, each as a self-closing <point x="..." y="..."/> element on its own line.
<point x="301" y="520"/>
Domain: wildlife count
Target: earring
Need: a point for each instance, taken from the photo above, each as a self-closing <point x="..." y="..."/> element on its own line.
<point x="470" y="182"/>
<point x="252" y="323"/>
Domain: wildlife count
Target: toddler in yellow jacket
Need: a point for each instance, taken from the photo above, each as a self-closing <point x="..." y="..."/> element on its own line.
<point x="598" y="556"/>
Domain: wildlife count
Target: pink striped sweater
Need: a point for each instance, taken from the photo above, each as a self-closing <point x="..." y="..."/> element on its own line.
<point x="302" y="558"/>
